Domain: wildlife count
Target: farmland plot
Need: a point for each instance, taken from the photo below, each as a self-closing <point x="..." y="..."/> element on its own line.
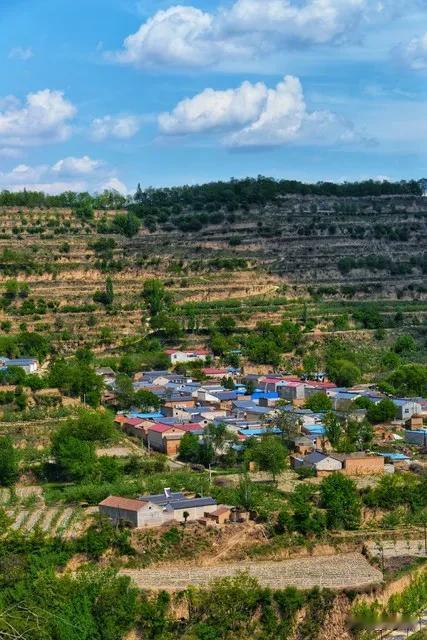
<point x="341" y="571"/>
<point x="65" y="523"/>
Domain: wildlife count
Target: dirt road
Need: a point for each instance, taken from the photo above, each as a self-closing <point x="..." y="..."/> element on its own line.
<point x="350" y="570"/>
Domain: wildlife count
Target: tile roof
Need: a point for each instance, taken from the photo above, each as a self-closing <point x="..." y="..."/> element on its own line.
<point x="134" y="422"/>
<point x="126" y="504"/>
<point x="188" y="503"/>
<point x="162" y="498"/>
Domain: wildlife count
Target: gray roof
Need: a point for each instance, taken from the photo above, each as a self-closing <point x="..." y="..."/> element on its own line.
<point x="161" y="498"/>
<point x="225" y="395"/>
<point x="105" y="371"/>
<point x="192" y="502"/>
<point x="316" y="456"/>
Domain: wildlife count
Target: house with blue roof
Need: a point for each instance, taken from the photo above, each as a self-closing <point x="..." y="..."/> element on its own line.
<point x="314" y="429"/>
<point x="30" y="365"/>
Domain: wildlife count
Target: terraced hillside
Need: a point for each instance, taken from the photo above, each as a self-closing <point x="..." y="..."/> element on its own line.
<point x="291" y="255"/>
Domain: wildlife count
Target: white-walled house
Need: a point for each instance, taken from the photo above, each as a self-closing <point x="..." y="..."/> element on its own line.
<point x="178" y="356"/>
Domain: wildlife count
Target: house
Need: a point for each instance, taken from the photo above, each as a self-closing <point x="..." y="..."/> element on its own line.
<point x="405" y="409"/>
<point x="395" y="458"/>
<point x="361" y="464"/>
<point x="322" y="463"/>
<point x="166" y="438"/>
<point x="259" y="433"/>
<point x="210" y="372"/>
<point x="305" y="444"/>
<point x="178" y="356"/>
<point x="343" y="400"/>
<point x="107" y="374"/>
<point x="248" y="410"/>
<point x="417" y="437"/>
<point x="156" y="510"/>
<point x="314" y="430"/>
<point x="352" y="464"/>
<point x="175" y="505"/>
<point x="415" y="422"/>
<point x="220" y="516"/>
<point x="131" y="512"/>
<point x="291" y="391"/>
<point x="30" y="365"/>
<point x="179" y="400"/>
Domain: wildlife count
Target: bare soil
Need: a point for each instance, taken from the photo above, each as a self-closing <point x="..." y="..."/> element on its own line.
<point x="342" y="571"/>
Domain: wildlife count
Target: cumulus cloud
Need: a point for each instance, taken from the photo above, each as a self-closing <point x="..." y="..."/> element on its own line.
<point x="68" y="174"/>
<point x="215" y="110"/>
<point x="120" y="127"/>
<point x="255" y="116"/>
<point x="185" y="36"/>
<point x="21" y="53"/>
<point x="414" y="53"/>
<point x="73" y="166"/>
<point x="43" y="119"/>
<point x="114" y="184"/>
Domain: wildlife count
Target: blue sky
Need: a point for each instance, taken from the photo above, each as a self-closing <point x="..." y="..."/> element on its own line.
<point x="105" y="93"/>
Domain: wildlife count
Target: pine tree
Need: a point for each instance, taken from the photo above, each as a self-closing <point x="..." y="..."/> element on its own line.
<point x="139" y="195"/>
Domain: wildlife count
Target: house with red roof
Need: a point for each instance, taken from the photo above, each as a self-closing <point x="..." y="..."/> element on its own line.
<point x="211" y="372"/>
<point x="166" y="438"/>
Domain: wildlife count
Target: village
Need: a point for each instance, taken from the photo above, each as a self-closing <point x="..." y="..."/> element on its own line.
<point x="247" y="409"/>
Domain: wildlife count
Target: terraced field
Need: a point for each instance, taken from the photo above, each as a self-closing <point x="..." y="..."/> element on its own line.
<point x="270" y="256"/>
<point x="341" y="571"/>
<point x="27" y="512"/>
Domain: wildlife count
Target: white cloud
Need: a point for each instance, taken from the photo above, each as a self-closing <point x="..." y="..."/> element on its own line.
<point x="215" y="110"/>
<point x="414" y="53"/>
<point x="185" y="36"/>
<point x="255" y="116"/>
<point x="68" y="174"/>
<point x="114" y="184"/>
<point x="9" y="152"/>
<point x="73" y="166"/>
<point x="23" y="174"/>
<point x="43" y="119"/>
<point x="21" y="53"/>
<point x="121" y="127"/>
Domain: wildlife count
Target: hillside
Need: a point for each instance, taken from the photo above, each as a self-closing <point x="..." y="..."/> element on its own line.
<point x="260" y="259"/>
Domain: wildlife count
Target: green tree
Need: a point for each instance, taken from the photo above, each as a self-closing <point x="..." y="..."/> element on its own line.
<point x="9" y="462"/>
<point x="270" y="455"/>
<point x="340" y="498"/>
<point x="105" y="297"/>
<point x="189" y="448"/>
<point x="84" y="210"/>
<point x="383" y="411"/>
<point x="124" y="391"/>
<point x="250" y="387"/>
<point x="333" y="428"/>
<point x="168" y="327"/>
<point x="310" y="364"/>
<point x="92" y="426"/>
<point x="306" y="518"/>
<point x="155" y="296"/>
<point x="75" y="459"/>
<point x="404" y="344"/>
<point x="128" y="224"/>
<point x="319" y="402"/>
<point x="76" y="379"/>
<point x="407" y="380"/>
<point x="287" y="424"/>
<point x="225" y="325"/>
<point x="344" y="373"/>
<point x="147" y="400"/>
